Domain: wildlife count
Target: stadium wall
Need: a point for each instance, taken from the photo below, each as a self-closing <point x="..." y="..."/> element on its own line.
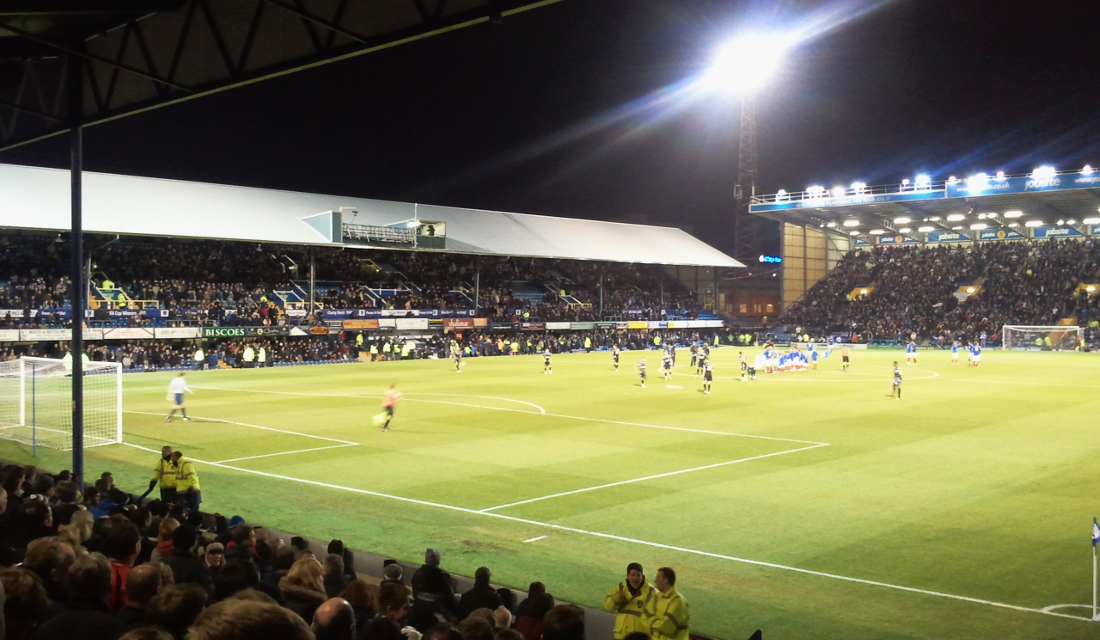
<point x="809" y="254"/>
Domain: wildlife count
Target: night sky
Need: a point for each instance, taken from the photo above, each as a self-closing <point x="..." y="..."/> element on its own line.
<point x="586" y="109"/>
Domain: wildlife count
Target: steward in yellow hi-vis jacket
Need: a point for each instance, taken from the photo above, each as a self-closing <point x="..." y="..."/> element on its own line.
<point x="187" y="481"/>
<point x="629" y="600"/>
<point x="668" y="613"/>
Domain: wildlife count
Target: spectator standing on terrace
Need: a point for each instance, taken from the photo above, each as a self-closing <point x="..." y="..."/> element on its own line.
<point x="668" y="613"/>
<point x="390" y="398"/>
<point x="176" y="388"/>
<point x="430" y="580"/>
<point x="629" y="600"/>
<point x="480" y="596"/>
<point x="164" y="474"/>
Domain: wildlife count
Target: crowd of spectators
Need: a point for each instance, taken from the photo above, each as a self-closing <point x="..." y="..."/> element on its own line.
<point x="913" y="291"/>
<point x="97" y="563"/>
<point x="205" y="282"/>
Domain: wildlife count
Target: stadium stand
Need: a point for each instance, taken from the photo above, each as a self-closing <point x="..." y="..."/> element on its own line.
<point x="915" y="292"/>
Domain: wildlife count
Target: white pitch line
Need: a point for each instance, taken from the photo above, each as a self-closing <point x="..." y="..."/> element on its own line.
<point x="254" y="426"/>
<point x="653" y="477"/>
<point x="371" y="395"/>
<point x="535" y="539"/>
<point x="549" y="415"/>
<point x="656" y="545"/>
<point x="284" y="453"/>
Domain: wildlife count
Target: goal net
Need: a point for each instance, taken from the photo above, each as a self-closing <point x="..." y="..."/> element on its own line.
<point x="36" y="405"/>
<point x="1036" y="338"/>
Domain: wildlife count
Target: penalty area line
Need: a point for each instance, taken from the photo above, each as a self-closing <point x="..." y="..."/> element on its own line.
<point x="254" y="426"/>
<point x="652" y="477"/>
<point x="285" y="453"/>
<point x="646" y="543"/>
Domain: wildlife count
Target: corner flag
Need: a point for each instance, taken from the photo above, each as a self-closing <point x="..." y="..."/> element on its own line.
<point x="1095" y="532"/>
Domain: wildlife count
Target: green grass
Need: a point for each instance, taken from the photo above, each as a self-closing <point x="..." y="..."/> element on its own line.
<point x="979" y="484"/>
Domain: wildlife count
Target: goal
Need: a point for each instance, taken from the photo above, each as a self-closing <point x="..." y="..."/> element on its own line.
<point x="36" y="402"/>
<point x="1061" y="337"/>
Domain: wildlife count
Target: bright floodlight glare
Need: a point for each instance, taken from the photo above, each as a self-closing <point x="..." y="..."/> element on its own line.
<point x="955" y="217"/>
<point x="838" y="192"/>
<point x="1061" y="222"/>
<point x="1091" y="221"/>
<point x="851" y="223"/>
<point x="1013" y="224"/>
<point x="952" y="180"/>
<point x="934" y="219"/>
<point x="979" y="225"/>
<point x="923" y="180"/>
<point x="744" y="65"/>
<point x="926" y="229"/>
<point x="858" y="187"/>
<point x="877" y="232"/>
<point x="1033" y="223"/>
<point x="905" y="181"/>
<point x="853" y="233"/>
<point x="1000" y="175"/>
<point x="904" y="230"/>
<point x="901" y="220"/>
<point x="831" y="225"/>
<point x="956" y="228"/>
<point x="1071" y="221"/>
<point x="1045" y="172"/>
<point x="977" y="182"/>
<point x="1086" y="170"/>
<point x="1013" y="214"/>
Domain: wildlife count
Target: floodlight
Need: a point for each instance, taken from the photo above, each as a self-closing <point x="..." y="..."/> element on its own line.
<point x="991" y="214"/>
<point x="877" y="232"/>
<point x="977" y="226"/>
<point x="831" y="225"/>
<point x="1013" y="224"/>
<point x="901" y="220"/>
<point x="957" y="228"/>
<point x="1033" y="223"/>
<point x="952" y="180"/>
<point x="1071" y="221"/>
<point x="934" y="219"/>
<point x="851" y="223"/>
<point x="1045" y="172"/>
<point x="1086" y="170"/>
<point x="1061" y="222"/>
<point x="955" y="217"/>
<point x="923" y="180"/>
<point x="853" y="233"/>
<point x="905" y="182"/>
<point x="743" y="65"/>
<point x="1090" y="288"/>
<point x="926" y="229"/>
<point x="1091" y="221"/>
<point x="815" y="191"/>
<point x="862" y="292"/>
<point x="859" y="187"/>
<point x="981" y="216"/>
<point x="970" y="289"/>
<point x="1000" y="176"/>
<point x="781" y="195"/>
<point x="1013" y="214"/>
<point x="904" y="230"/>
<point x="838" y="192"/>
<point x="977" y="182"/>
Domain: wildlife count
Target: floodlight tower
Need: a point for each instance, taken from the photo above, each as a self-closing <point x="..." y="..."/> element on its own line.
<point x="742" y="66"/>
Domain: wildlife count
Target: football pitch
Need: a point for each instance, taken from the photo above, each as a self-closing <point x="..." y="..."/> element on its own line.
<point x="807" y="504"/>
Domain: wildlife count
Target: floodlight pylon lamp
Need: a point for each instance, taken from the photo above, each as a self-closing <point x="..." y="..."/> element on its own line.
<point x="745" y="64"/>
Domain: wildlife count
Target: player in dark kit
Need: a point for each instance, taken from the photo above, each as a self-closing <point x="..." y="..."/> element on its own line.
<point x="708" y="375"/>
<point x="896" y="392"/>
<point x="641" y="372"/>
<point x="744" y="366"/>
<point x="694" y="350"/>
<point x="615" y="351"/>
<point x="666" y="365"/>
<point x="546" y="368"/>
<point x="704" y="355"/>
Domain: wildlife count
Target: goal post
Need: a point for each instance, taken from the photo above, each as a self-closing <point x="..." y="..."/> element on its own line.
<point x="36" y="402"/>
<point x="1040" y="338"/>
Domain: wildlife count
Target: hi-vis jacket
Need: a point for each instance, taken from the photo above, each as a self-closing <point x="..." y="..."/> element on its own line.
<point x="668" y="616"/>
<point x="186" y="477"/>
<point x="631" y="611"/>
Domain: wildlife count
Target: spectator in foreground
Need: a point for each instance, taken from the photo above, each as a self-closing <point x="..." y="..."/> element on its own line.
<point x="563" y="622"/>
<point x="480" y="596"/>
<point x="334" y="620"/>
<point x="248" y="620"/>
<point x="669" y="613"/>
<point x="86" y="614"/>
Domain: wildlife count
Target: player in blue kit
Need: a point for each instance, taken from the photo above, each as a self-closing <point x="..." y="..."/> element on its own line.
<point x="911" y="353"/>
